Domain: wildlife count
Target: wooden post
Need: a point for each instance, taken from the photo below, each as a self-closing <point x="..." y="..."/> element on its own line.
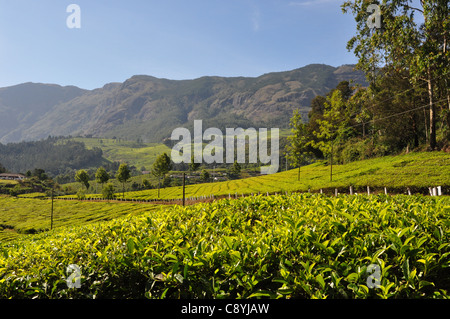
<point x="385" y="191"/>
<point x="368" y="190"/>
<point x="351" y="190"/>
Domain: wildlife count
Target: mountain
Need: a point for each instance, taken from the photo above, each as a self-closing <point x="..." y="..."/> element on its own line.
<point x="21" y="106"/>
<point x="150" y="108"/>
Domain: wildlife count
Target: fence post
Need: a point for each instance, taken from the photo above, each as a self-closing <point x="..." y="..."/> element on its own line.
<point x="439" y="191"/>
<point x="368" y="190"/>
<point x="351" y="190"/>
<point x="385" y="191"/>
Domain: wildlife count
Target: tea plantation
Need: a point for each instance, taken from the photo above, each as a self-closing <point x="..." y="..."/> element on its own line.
<point x="281" y="246"/>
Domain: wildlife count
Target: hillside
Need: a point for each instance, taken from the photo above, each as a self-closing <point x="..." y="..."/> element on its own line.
<point x="279" y="246"/>
<point x="21" y="106"/>
<point x="150" y="108"/>
<point x="136" y="154"/>
<point x="416" y="171"/>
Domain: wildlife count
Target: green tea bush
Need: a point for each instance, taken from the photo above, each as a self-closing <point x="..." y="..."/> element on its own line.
<point x="296" y="246"/>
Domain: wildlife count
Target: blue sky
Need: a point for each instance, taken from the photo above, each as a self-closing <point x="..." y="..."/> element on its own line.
<point x="174" y="39"/>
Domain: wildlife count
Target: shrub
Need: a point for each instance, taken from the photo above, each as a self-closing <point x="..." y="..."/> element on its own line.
<point x="108" y="191"/>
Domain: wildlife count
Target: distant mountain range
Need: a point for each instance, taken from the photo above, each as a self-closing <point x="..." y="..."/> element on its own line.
<point x="149" y="108"/>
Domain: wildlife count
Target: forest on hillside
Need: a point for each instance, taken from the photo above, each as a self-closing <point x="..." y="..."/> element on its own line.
<point x="405" y="108"/>
<point x="54" y="155"/>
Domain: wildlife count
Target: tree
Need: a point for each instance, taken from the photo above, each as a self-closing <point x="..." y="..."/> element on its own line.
<point x="298" y="149"/>
<point x="101" y="176"/>
<point x="161" y="167"/>
<point x="108" y="191"/>
<point x="192" y="165"/>
<point x="146" y="184"/>
<point x="420" y="49"/>
<point x="234" y="171"/>
<point x="333" y="128"/>
<point x="83" y="177"/>
<point x="123" y="175"/>
<point x="40" y="174"/>
<point x="205" y="175"/>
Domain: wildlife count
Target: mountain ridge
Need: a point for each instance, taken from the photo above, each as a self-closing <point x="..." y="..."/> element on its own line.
<point x="149" y="108"/>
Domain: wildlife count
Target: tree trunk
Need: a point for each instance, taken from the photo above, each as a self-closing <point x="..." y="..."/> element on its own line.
<point x="432" y="113"/>
<point x="331" y="162"/>
<point x="416" y="133"/>
<point x="426" y="125"/>
<point x="159" y="184"/>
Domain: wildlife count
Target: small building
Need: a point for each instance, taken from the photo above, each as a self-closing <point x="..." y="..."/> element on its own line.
<point x="12" y="177"/>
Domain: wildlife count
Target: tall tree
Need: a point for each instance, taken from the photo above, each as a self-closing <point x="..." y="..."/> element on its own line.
<point x="161" y="167"/>
<point x="406" y="44"/>
<point x="297" y="150"/>
<point x="123" y="175"/>
<point x="333" y="128"/>
<point x="101" y="176"/>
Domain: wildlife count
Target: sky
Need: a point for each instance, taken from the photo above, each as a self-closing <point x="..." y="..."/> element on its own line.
<point x="173" y="39"/>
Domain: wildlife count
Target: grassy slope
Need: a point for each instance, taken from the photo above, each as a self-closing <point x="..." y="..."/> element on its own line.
<point x="20" y="216"/>
<point x="415" y="170"/>
<point x="127" y="151"/>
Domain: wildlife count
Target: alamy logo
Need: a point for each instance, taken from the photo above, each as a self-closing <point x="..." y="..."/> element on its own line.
<point x="373" y="281"/>
<point x="73" y="21"/>
<point x="74" y="280"/>
<point x="214" y="151"/>
<point x="374" y="20"/>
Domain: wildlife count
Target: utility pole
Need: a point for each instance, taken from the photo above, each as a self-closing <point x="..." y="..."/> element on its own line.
<point x="51" y="223"/>
<point x="184" y="192"/>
